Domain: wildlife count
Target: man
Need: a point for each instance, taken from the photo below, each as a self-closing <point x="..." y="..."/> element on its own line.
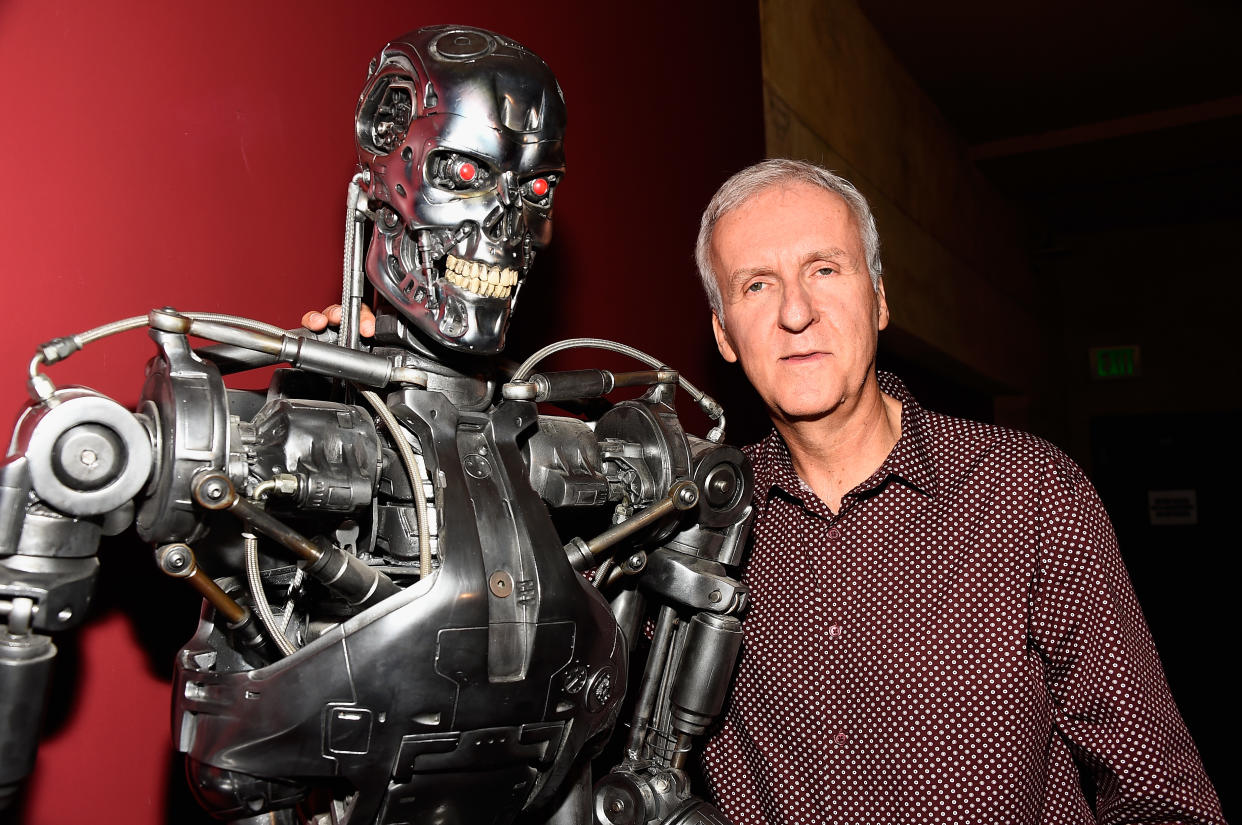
<point x="942" y="629"/>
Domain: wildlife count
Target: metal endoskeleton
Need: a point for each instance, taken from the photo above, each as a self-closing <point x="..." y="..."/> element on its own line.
<point x="393" y="629"/>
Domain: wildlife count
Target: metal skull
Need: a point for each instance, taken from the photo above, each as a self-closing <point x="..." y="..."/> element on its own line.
<point x="461" y="133"/>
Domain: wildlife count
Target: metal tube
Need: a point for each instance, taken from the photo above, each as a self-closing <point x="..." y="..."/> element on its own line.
<point x="224" y="604"/>
<point x="225" y="334"/>
<point x="710" y="407"/>
<point x="307" y="353"/>
<point x="568" y="385"/>
<point x="25" y="672"/>
<point x="178" y="560"/>
<point x="350" y="577"/>
<point x="644" y="378"/>
<point x="351" y="279"/>
<point x="661" y="641"/>
<point x="681" y="496"/>
<point x="214" y="491"/>
<point x="681" y="750"/>
<point x="702" y="677"/>
<point x="346" y="574"/>
<point x="571" y="384"/>
<point x="276" y="529"/>
<point x="629" y="607"/>
<point x="14" y="495"/>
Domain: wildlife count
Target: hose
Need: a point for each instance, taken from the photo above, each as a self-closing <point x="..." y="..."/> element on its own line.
<point x="351" y="279"/>
<point x="261" y="607"/>
<point x="705" y="402"/>
<point x="62" y="348"/>
<point x="413" y="468"/>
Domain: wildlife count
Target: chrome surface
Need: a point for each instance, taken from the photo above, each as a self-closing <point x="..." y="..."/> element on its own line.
<point x="460" y="131"/>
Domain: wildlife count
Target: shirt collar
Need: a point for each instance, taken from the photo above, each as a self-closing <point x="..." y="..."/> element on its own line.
<point x="909" y="461"/>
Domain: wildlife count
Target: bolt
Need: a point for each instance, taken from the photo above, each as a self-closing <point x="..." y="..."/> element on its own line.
<point x="175" y="560"/>
<point x="602" y="688"/>
<point x="575" y="678"/>
<point x="714" y="596"/>
<point x="88" y="457"/>
<point x="500" y="583"/>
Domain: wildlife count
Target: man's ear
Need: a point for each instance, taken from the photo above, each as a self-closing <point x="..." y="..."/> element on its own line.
<point x="881" y="305"/>
<point x="722" y="340"/>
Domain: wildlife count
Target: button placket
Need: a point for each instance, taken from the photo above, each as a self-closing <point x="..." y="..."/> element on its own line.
<point x="835" y="627"/>
<point x="832" y="576"/>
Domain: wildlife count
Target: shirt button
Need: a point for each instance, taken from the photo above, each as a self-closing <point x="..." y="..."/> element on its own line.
<point x="834" y="533"/>
<point x="840" y="738"/>
<point x="835" y="631"/>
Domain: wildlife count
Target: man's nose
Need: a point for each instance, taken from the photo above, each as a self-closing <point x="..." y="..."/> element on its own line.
<point x="797" y="310"/>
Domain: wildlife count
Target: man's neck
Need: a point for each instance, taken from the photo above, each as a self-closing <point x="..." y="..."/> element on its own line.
<point x="835" y="453"/>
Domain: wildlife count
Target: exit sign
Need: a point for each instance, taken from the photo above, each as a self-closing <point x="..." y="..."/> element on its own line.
<point x="1109" y="363"/>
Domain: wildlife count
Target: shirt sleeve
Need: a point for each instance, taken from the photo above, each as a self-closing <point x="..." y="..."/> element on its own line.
<point x="1111" y="701"/>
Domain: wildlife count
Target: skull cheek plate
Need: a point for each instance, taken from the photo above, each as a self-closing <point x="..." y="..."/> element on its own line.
<point x="464" y="155"/>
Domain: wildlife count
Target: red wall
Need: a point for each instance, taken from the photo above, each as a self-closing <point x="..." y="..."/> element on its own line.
<point x="196" y="155"/>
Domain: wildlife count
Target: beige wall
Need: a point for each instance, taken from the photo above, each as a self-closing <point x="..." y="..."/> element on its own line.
<point x="956" y="277"/>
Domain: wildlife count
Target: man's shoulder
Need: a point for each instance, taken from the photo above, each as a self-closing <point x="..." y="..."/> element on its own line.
<point x="957" y="447"/>
<point x="970" y="434"/>
<point x="961" y="447"/>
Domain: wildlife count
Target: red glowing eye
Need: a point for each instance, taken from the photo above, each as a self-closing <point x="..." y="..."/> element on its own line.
<point x="466" y="171"/>
<point x="539" y="186"/>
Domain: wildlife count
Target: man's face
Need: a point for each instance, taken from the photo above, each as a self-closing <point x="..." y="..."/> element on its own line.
<point x="800" y="314"/>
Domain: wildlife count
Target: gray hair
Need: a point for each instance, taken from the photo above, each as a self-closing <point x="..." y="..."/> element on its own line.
<point x="780" y="172"/>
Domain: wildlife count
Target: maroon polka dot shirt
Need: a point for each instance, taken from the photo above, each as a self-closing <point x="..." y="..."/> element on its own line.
<point x="959" y="644"/>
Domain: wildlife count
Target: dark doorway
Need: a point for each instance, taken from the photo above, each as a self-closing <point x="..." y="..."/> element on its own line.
<point x="1170" y="483"/>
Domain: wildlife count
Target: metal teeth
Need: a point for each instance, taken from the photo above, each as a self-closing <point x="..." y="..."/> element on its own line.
<point x="480" y="278"/>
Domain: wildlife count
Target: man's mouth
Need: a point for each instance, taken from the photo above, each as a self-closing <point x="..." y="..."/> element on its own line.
<point x="803" y="357"/>
<point x="480" y="278"/>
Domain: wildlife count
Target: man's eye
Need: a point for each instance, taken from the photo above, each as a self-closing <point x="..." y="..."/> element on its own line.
<point x="458" y="172"/>
<point x="757" y="286"/>
<point x="826" y="270"/>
